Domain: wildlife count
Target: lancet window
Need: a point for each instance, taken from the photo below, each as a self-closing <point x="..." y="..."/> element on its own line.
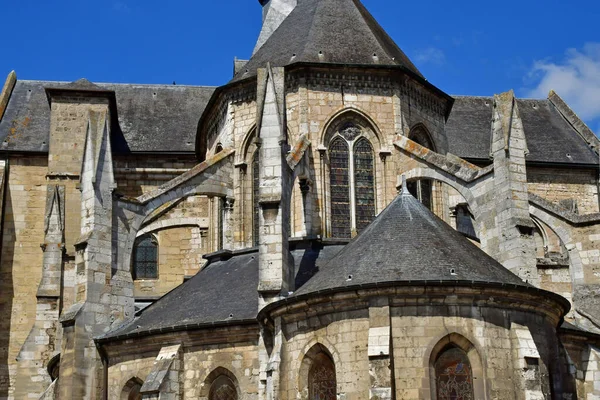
<point x="454" y="376"/>
<point x="422" y="189"/>
<point x="145" y="257"/>
<point x="322" y="383"/>
<point x="352" y="181"/>
<point x="223" y="389"/>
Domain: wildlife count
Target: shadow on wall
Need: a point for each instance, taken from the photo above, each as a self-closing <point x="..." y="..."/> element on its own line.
<point x="7" y="252"/>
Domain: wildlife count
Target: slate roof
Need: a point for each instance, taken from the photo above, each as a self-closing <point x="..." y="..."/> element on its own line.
<point x="202" y="300"/>
<point x="225" y="286"/>
<point x="342" y="30"/>
<point x="550" y="138"/>
<point x="408" y="243"/>
<point x="152" y="118"/>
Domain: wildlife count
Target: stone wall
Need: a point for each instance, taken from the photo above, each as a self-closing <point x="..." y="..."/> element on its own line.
<point x="507" y="346"/>
<point x="137" y="175"/>
<point x="21" y="258"/>
<point x="561" y="186"/>
<point x="206" y="354"/>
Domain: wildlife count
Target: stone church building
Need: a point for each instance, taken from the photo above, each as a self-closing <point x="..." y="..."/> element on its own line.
<point x="327" y="225"/>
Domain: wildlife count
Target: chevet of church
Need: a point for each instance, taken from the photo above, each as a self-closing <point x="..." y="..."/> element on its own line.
<point x="327" y="225"/>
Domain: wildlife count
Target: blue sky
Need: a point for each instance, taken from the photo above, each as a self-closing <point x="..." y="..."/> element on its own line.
<point x="467" y="47"/>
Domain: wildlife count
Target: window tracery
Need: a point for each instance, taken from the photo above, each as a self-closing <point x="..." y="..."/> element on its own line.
<point x="454" y="376"/>
<point x="145" y="257"/>
<point x="223" y="389"/>
<point x="352" y="181"/>
<point x="322" y="383"/>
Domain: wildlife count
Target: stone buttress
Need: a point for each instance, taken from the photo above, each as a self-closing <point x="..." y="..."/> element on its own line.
<point x="514" y="227"/>
<point x="44" y="340"/>
<point x="275" y="272"/>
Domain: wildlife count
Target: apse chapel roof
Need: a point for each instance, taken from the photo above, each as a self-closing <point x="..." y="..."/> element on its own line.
<point x="407" y="243"/>
<point x="328" y="31"/>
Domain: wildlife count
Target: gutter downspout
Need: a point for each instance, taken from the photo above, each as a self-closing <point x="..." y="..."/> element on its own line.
<point x="104" y="358"/>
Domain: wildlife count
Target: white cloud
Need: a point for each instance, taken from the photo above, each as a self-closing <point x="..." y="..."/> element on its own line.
<point x="431" y="55"/>
<point x="576" y="79"/>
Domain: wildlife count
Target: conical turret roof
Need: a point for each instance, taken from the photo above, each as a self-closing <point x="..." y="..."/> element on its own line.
<point x="408" y="243"/>
<point x="328" y="31"/>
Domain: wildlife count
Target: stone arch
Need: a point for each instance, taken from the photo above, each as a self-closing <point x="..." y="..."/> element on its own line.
<point x="421" y="135"/>
<point x="213" y="376"/>
<point x="315" y="354"/>
<point x="356" y="115"/>
<point x="212" y="177"/>
<point x="562" y="231"/>
<point x="429" y="173"/>
<point x="472" y="352"/>
<point x="247" y="147"/>
<point x="172" y="223"/>
<point x="131" y="389"/>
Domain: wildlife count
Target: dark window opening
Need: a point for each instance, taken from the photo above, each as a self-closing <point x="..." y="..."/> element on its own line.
<point x="464" y="222"/>
<point x="363" y="182"/>
<point x="340" y="189"/>
<point x="145" y="258"/>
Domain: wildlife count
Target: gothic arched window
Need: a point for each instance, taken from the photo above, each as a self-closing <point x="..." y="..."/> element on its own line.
<point x="322" y="384"/>
<point x="351" y="180"/>
<point x="223" y="388"/>
<point x="145" y="257"/>
<point x="453" y="375"/>
<point x="422" y="189"/>
<point x="132" y="389"/>
<point x="255" y="195"/>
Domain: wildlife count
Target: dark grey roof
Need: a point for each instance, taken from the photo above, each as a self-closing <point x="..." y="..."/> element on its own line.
<point x="469" y="127"/>
<point x="152" y="118"/>
<point x="549" y="136"/>
<point x="342" y="30"/>
<point x="222" y="288"/>
<point x="408" y="243"/>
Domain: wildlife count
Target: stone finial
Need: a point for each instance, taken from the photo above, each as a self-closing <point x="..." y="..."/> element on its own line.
<point x="405" y="191"/>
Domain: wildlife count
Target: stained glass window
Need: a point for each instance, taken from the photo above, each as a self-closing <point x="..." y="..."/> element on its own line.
<point x="340" y="188"/>
<point x="321" y="379"/>
<point x="364" y="189"/>
<point x="145" y="258"/>
<point x="222" y="389"/>
<point x="454" y="378"/>
<point x="255" y="195"/>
